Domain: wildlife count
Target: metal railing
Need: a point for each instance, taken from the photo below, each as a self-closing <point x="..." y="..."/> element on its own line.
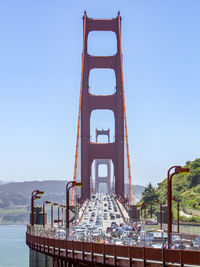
<point x="117" y="255"/>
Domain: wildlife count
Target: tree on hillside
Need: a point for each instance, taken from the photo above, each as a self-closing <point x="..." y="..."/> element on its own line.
<point x="149" y="194"/>
<point x="194" y="175"/>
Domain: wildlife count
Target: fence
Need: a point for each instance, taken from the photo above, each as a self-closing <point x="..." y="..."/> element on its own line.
<point x="110" y="254"/>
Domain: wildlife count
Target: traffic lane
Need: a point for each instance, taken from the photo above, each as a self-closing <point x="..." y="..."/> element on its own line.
<point x="107" y="223"/>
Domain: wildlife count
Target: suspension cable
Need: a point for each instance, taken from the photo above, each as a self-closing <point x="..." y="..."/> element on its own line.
<point x="80" y="105"/>
<point x="123" y="94"/>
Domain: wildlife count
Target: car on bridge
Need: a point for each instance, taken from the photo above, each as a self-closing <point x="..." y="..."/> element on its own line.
<point x="60" y="234"/>
<point x="117" y="241"/>
<point x="196" y="243"/>
<point x="95" y="233"/>
<point x="114" y="225"/>
<point x="151" y="222"/>
<point x="112" y="216"/>
<point x="129" y="241"/>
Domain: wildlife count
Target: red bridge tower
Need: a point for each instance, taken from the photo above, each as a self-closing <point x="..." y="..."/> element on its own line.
<point x="92" y="151"/>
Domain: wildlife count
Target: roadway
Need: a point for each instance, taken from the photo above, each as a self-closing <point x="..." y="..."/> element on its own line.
<point x="103" y="217"/>
<point x="102" y="210"/>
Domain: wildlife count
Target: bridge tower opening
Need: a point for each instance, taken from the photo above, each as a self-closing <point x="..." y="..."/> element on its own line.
<point x="104" y="178"/>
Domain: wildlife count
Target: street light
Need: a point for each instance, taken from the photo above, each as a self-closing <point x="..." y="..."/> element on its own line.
<point x="149" y="203"/>
<point x="177" y="170"/>
<point x="177" y="202"/>
<point x="45" y="203"/>
<point x="35" y="195"/>
<point x="144" y="205"/>
<point x="58" y="214"/>
<point x="158" y="202"/>
<point x="62" y="206"/>
<point x="68" y="186"/>
<point x="52" y="205"/>
<point x="140" y="205"/>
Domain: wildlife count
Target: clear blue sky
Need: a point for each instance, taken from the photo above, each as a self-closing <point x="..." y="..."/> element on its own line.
<point x="40" y="66"/>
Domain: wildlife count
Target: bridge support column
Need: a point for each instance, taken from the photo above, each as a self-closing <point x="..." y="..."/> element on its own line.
<point x="37" y="259"/>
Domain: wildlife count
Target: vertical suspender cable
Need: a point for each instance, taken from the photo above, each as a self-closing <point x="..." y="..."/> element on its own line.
<point x="80" y="105"/>
<point x="126" y="131"/>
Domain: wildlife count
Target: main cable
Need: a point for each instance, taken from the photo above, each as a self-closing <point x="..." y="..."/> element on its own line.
<point x="125" y="120"/>
<point x="80" y="105"/>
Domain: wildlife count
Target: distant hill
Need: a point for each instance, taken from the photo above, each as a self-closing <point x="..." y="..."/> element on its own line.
<point x="50" y="187"/>
<point x="15" y="197"/>
<point x="25" y="188"/>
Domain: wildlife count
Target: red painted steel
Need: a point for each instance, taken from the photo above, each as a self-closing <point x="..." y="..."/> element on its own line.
<point x="79" y="113"/>
<point x="154" y="254"/>
<point x="173" y="256"/>
<point x="124" y="106"/>
<point x="177" y="170"/>
<point x="191" y="257"/>
<point x="122" y="251"/>
<point x="89" y="102"/>
<point x="122" y="255"/>
<point x="114" y="151"/>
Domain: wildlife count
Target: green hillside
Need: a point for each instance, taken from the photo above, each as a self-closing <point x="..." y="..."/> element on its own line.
<point x="185" y="187"/>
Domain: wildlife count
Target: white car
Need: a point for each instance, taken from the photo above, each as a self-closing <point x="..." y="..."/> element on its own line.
<point x="61" y="234"/>
<point x="95" y="233"/>
<point x="117" y="241"/>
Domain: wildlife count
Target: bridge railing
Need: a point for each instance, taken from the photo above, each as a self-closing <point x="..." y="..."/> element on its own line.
<point x="116" y="255"/>
<point x="142" y="238"/>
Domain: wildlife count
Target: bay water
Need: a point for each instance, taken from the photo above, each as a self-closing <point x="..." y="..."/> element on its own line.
<point x="13" y="249"/>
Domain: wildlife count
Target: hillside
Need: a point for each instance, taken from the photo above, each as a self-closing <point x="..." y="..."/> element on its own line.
<point x="15" y="197"/>
<point x="25" y="188"/>
<point x="185" y="187"/>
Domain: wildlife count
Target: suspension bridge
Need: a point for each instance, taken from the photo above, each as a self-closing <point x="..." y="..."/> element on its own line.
<point x="104" y="209"/>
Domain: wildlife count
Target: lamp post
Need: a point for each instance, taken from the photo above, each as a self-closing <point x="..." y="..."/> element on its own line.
<point x="177" y="170"/>
<point x="148" y="203"/>
<point x="177" y="202"/>
<point x="158" y="202"/>
<point x="144" y="205"/>
<point x="52" y="205"/>
<point x="35" y="195"/>
<point x="58" y="213"/>
<point x="45" y="203"/>
<point x="62" y="206"/>
<point x="68" y="186"/>
<point x="140" y="205"/>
